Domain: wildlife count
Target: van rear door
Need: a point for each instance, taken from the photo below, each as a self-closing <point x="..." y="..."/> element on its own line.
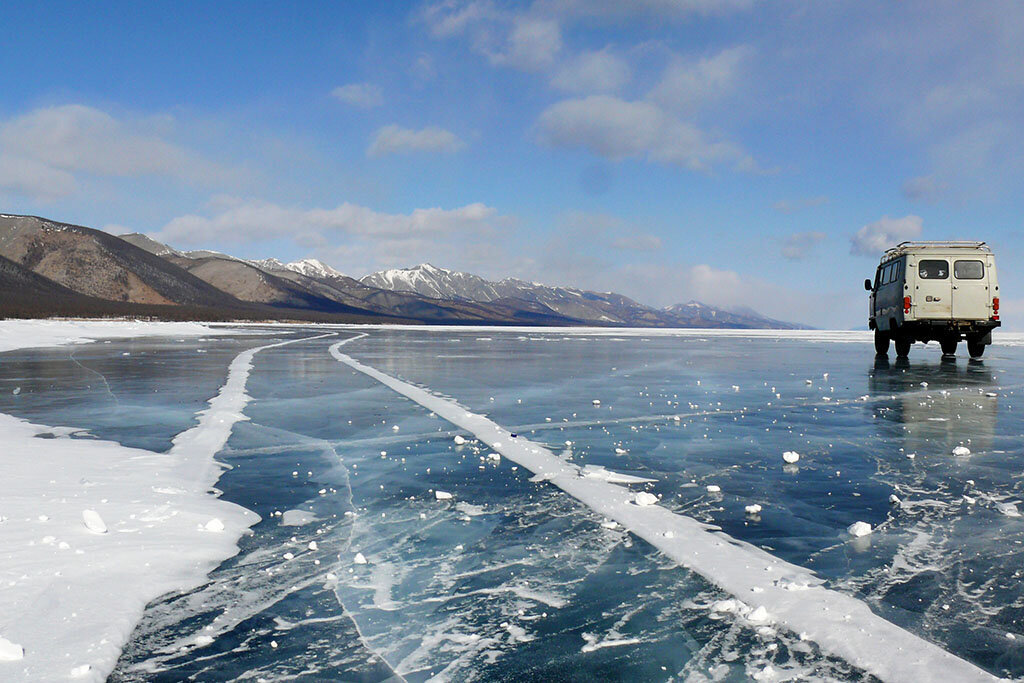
<point x="970" y="289"/>
<point x="932" y="297"/>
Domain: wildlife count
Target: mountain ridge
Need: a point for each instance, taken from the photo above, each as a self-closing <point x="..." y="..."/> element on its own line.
<point x="136" y="270"/>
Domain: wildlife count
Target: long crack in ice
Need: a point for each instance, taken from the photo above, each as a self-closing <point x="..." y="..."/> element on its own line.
<point x="838" y="623"/>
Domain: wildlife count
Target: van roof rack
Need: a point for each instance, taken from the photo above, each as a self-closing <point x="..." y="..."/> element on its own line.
<point x="904" y="247"/>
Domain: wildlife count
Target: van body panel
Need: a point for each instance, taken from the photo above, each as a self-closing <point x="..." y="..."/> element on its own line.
<point x="932" y="292"/>
<point x="972" y="298"/>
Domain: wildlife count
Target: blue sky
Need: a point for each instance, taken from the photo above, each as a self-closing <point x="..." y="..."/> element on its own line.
<point x="733" y="151"/>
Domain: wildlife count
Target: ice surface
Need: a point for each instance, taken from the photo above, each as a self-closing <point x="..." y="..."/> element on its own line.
<point x="513" y="578"/>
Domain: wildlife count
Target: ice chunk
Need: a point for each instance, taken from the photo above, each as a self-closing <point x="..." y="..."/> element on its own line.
<point x="714" y="488"/>
<point x="203" y="641"/>
<point x="858" y="529"/>
<point x="459" y="440"/>
<point x="791" y="457"/>
<point x="620" y="451"/>
<point x="1008" y="509"/>
<point x="93" y="522"/>
<point x="313" y="546"/>
<point x="596" y="401"/>
<point x="442" y="495"/>
<point x="645" y="498"/>
<point x="83" y="670"/>
<point x="214" y="525"/>
<point x="297" y="517"/>
<point x="359" y="558"/>
<point x="961" y="450"/>
<point x="753" y="509"/>
<point x="10" y="652"/>
<point x="895" y="500"/>
<point x="758" y="615"/>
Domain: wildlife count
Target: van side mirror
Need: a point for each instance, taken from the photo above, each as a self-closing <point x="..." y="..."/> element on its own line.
<point x="867" y="284"/>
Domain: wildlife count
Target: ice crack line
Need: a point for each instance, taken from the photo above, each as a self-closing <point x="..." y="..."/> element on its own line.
<point x="212" y="431"/>
<point x="793" y="597"/>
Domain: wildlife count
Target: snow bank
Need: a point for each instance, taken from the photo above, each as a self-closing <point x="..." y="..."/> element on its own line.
<point x="27" y="334"/>
<point x="839" y="623"/>
<point x="95" y="530"/>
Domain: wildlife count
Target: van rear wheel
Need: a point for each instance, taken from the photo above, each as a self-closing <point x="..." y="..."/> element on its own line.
<point x="903" y="346"/>
<point x="948" y="346"/>
<point x="975" y="348"/>
<point x="881" y="342"/>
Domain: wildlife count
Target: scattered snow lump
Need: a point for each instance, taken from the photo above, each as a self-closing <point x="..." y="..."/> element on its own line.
<point x="442" y="495"/>
<point x="214" y="525"/>
<point x="961" y="450"/>
<point x="359" y="558"/>
<point x="10" y="652"/>
<point x="858" y="529"/>
<point x="643" y="498"/>
<point x="81" y="671"/>
<point x="93" y="522"/>
<point x="791" y="457"/>
<point x="459" y="440"/>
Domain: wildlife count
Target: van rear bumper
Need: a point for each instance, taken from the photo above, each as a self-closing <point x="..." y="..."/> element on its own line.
<point x="928" y="330"/>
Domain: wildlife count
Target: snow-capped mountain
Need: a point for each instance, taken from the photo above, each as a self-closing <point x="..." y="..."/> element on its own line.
<point x="311" y="267"/>
<point x="437" y="283"/>
<point x="136" y="270"/>
<point x="600" y="308"/>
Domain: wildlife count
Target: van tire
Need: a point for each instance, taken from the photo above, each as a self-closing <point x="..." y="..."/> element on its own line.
<point x="881" y="342"/>
<point x="903" y="346"/>
<point x="948" y="346"/>
<point x="975" y="348"/>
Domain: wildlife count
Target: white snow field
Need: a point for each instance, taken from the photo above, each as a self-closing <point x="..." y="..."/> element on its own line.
<point x="91" y="531"/>
<point x="767" y="590"/>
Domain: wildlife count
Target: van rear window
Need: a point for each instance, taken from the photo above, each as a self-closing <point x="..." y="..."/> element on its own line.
<point x="933" y="269"/>
<point x="968" y="270"/>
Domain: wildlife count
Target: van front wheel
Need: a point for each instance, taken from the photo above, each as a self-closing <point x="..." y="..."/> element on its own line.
<point x="903" y="346"/>
<point x="975" y="348"/>
<point x="948" y="347"/>
<point x="881" y="342"/>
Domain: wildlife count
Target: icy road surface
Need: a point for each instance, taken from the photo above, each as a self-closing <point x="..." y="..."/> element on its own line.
<point x="411" y="538"/>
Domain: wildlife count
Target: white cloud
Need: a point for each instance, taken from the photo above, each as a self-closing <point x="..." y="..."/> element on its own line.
<point x="41" y="151"/>
<point x="886" y="232"/>
<point x="592" y="72"/>
<point x="618" y="129"/>
<point x="394" y="139"/>
<point x="33" y="178"/>
<point x="363" y="95"/>
<point x="615" y="10"/>
<point x="799" y="245"/>
<point x="532" y="44"/>
<point x="244" y="221"/>
<point x="688" y="85"/>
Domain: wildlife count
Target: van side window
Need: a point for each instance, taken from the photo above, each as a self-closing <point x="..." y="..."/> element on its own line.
<point x="933" y="269"/>
<point x="968" y="270"/>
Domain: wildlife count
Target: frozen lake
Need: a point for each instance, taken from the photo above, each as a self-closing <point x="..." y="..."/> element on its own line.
<point x="394" y="544"/>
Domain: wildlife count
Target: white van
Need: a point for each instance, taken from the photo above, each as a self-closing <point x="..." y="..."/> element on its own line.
<point x="942" y="291"/>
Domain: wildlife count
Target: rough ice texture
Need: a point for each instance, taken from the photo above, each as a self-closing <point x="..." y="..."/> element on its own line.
<point x="72" y="602"/>
<point x="839" y="623"/>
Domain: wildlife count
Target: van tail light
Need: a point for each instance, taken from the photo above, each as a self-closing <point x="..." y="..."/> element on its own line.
<point x="995" y="308"/>
<point x="906" y="304"/>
